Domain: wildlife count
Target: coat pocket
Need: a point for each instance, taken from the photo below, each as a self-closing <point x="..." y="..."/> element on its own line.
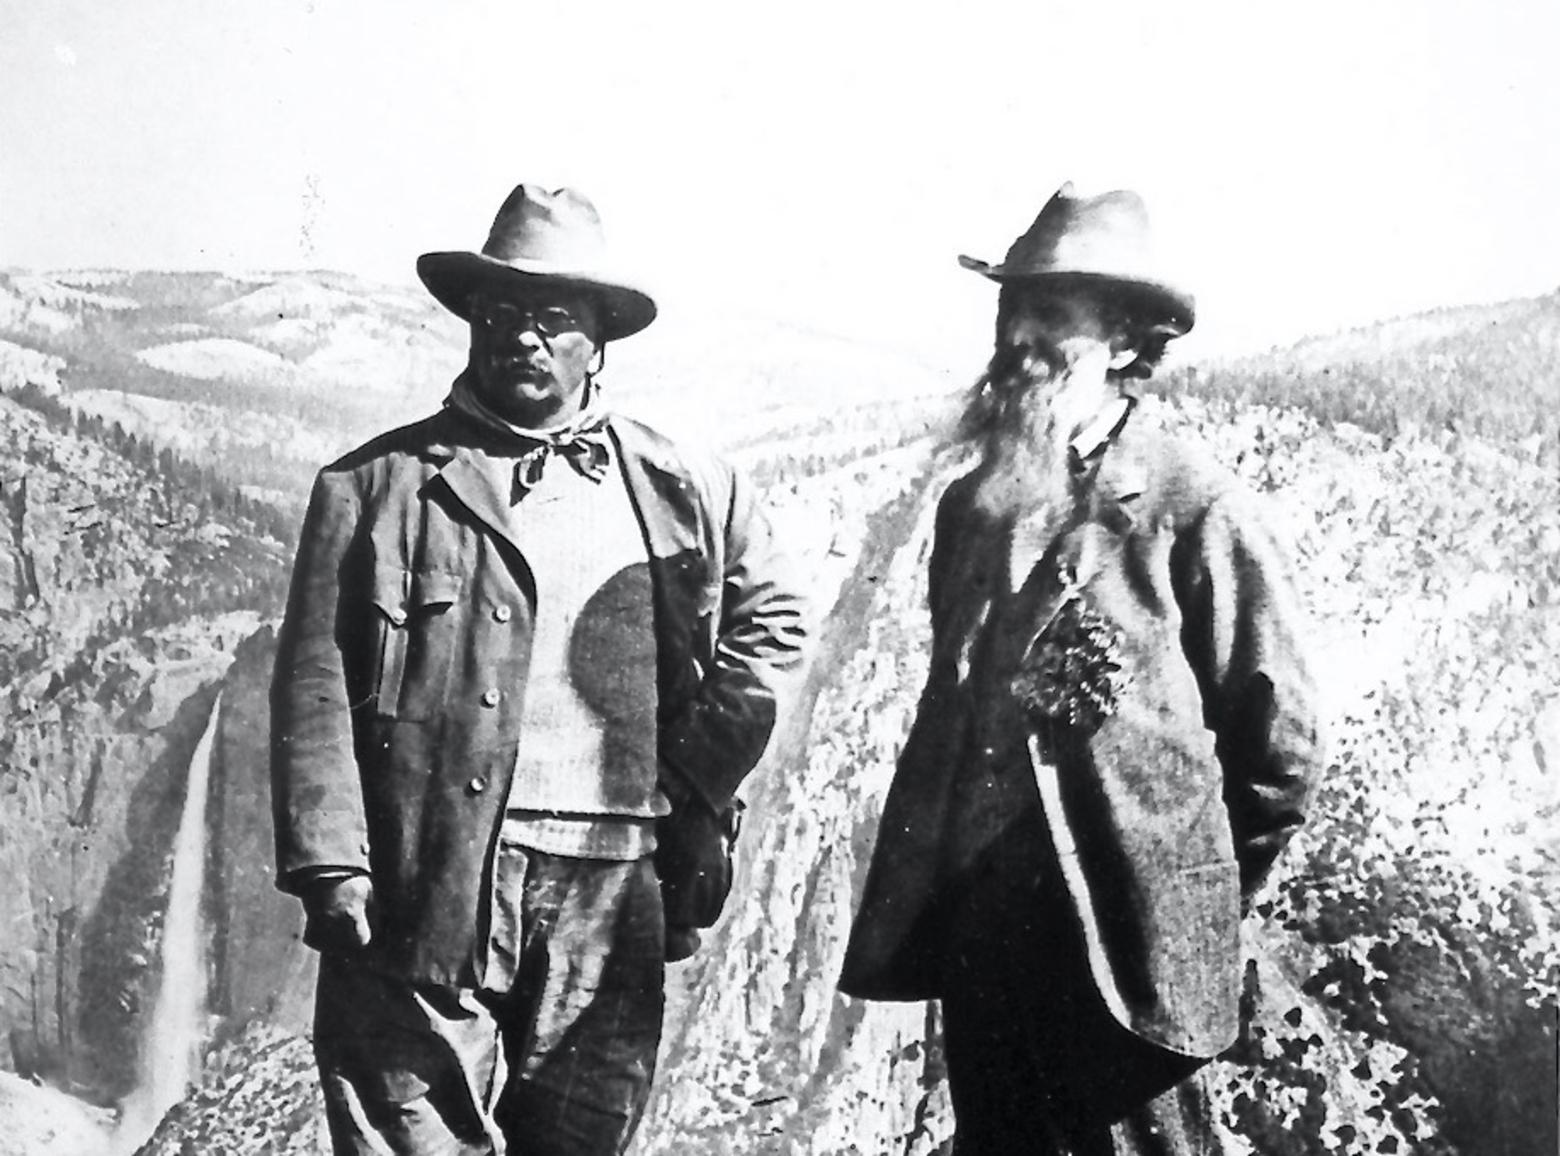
<point x="416" y="638"/>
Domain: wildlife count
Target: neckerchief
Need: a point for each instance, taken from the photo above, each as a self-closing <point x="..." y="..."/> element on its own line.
<point x="581" y="441"/>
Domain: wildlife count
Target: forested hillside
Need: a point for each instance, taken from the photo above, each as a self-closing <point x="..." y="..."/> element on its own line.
<point x="266" y="378"/>
<point x="1488" y="370"/>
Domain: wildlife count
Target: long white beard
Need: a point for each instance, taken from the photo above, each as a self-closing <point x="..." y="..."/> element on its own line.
<point x="1024" y="471"/>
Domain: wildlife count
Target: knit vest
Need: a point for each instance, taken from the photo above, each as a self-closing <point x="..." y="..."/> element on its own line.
<point x="585" y="780"/>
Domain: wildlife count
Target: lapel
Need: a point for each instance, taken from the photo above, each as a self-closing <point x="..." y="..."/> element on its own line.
<point x="685" y="558"/>
<point x="1120" y="488"/>
<point x="481" y="482"/>
<point x="661" y="489"/>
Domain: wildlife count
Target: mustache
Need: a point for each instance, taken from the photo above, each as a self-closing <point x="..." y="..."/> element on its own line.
<point x="510" y="358"/>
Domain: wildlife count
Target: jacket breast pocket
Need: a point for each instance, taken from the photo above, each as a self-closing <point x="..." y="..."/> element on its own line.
<point x="419" y="628"/>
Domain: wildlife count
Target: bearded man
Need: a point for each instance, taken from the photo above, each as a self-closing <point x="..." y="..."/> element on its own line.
<point x="1117" y="736"/>
<point x="530" y="651"/>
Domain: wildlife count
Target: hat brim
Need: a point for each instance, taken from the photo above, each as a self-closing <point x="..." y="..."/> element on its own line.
<point x="454" y="277"/>
<point x="1158" y="302"/>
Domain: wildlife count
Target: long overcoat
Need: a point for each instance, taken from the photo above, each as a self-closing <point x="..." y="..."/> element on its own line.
<point x="1175" y="807"/>
<point x="402" y="660"/>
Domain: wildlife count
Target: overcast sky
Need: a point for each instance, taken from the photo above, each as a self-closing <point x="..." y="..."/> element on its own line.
<point x="1307" y="166"/>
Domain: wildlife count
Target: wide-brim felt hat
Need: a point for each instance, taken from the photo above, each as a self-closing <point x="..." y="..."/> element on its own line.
<point x="541" y="239"/>
<point x="1100" y="244"/>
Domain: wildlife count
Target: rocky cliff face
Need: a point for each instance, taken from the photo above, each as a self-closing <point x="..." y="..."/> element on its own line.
<point x="260" y="969"/>
<point x="105" y="687"/>
<point x="759" y="1044"/>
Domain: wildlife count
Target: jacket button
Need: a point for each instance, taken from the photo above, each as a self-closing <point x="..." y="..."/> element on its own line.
<point x="477" y="785"/>
<point x="490" y="696"/>
<point x="501" y="613"/>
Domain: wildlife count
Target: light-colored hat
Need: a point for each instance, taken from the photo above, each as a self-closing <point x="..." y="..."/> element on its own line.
<point x="1103" y="241"/>
<point x="541" y="238"/>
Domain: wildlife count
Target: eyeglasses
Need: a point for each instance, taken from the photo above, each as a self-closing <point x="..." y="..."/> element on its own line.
<point x="512" y="317"/>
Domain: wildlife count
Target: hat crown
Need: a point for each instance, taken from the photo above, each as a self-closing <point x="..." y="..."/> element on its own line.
<point x="556" y="226"/>
<point x="542" y="240"/>
<point x="1104" y="239"/>
<point x="1106" y="235"/>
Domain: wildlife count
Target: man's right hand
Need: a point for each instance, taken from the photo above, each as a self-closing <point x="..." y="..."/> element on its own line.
<point x="337" y="911"/>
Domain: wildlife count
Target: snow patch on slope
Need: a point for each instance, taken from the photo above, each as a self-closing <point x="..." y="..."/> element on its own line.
<point x="214" y="359"/>
<point x="20" y="365"/>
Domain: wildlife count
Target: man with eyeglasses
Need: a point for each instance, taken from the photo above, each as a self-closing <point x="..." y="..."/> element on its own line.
<point x="530" y="652"/>
<point x="1118" y="733"/>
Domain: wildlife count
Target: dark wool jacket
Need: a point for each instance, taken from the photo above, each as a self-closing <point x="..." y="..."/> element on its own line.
<point x="401" y="665"/>
<point x="1162" y="819"/>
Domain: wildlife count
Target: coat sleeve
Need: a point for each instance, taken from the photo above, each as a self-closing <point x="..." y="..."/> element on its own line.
<point x="316" y="792"/>
<point x="763" y="627"/>
<point x="1245" y="636"/>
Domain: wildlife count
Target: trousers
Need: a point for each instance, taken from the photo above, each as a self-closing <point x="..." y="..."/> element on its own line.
<point x="551" y="1055"/>
<point x="1036" y="1062"/>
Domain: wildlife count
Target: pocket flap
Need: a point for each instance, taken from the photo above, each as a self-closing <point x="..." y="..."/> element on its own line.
<point x="435" y="588"/>
<point x="392" y="587"/>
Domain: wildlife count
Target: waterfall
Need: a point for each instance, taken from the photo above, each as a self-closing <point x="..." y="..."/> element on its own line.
<point x="175" y="1032"/>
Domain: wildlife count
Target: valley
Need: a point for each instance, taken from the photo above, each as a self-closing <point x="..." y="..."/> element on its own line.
<point x="1405" y="963"/>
